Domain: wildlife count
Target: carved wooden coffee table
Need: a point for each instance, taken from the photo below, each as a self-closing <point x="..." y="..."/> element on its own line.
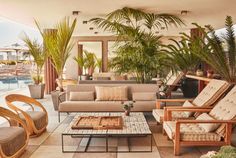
<point x="134" y="126"/>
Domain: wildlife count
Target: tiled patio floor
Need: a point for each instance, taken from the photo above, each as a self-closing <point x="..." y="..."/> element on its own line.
<point x="48" y="145"/>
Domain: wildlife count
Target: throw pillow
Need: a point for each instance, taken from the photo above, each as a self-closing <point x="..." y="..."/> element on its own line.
<point x="81" y="96"/>
<point x="188" y="104"/>
<point x="112" y="93"/>
<point x="208" y="127"/>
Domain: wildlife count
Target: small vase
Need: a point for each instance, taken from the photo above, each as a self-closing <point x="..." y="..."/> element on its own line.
<point x="127" y="113"/>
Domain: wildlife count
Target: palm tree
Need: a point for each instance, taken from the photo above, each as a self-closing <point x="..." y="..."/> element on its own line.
<point x="39" y="55"/>
<point x="59" y="45"/>
<point x="139" y="54"/>
<point x="179" y="57"/>
<point x="211" y="49"/>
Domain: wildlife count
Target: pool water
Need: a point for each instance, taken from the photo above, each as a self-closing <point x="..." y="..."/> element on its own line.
<point x="14" y="82"/>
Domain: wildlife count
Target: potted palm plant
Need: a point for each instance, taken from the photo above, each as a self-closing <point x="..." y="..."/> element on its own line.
<point x="139" y="54"/>
<point x="86" y="62"/>
<point x="219" y="51"/>
<point x="39" y="55"/>
<point x="98" y="63"/>
<point x="58" y="47"/>
<point x="179" y="57"/>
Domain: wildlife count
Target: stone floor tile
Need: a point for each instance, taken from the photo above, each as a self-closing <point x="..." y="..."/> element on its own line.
<point x="154" y="154"/>
<point x="52" y="152"/>
<point x="29" y="151"/>
<point x="186" y="152"/>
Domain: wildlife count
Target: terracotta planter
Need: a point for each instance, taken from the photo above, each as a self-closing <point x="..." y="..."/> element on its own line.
<point x="127" y="113"/>
<point x="37" y="91"/>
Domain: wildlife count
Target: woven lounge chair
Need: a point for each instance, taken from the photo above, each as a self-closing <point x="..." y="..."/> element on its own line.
<point x="208" y="96"/>
<point x="36" y="121"/>
<point x="213" y="127"/>
<point x="13" y="139"/>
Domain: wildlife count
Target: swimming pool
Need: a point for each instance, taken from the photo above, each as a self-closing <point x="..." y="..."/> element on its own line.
<point x="8" y="83"/>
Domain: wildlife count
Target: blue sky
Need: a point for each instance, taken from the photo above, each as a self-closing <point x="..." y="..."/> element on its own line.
<point x="12" y="32"/>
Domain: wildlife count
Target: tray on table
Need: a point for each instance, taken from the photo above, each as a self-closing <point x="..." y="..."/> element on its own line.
<point x="98" y="122"/>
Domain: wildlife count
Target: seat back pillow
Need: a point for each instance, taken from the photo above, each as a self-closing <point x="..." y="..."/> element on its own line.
<point x="81" y="96"/>
<point x="186" y="105"/>
<point x="208" y="127"/>
<point x="118" y="93"/>
<point x="144" y="96"/>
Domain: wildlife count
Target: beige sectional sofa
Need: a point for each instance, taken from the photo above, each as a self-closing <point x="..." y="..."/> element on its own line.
<point x="84" y="98"/>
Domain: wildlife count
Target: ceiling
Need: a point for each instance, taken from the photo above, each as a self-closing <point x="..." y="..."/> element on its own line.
<point x="48" y="12"/>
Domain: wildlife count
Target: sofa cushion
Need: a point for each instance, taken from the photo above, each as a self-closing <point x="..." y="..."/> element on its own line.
<point x="208" y="127"/>
<point x="143" y="96"/>
<point x="103" y="78"/>
<point x="12" y="139"/>
<point x="39" y="118"/>
<point x="116" y="93"/>
<point x="81" y="96"/>
<point x="118" y="78"/>
<point x="159" y="115"/>
<point x="87" y="106"/>
<point x="190" y="132"/>
<point x="112" y="106"/>
<point x="187" y="104"/>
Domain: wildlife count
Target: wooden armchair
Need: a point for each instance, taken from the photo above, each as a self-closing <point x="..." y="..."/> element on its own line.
<point x="213" y="127"/>
<point x="13" y="140"/>
<point x="208" y="96"/>
<point x="36" y="121"/>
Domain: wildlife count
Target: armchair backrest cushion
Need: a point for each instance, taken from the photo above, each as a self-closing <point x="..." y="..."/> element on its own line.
<point x="211" y="93"/>
<point x="225" y="109"/>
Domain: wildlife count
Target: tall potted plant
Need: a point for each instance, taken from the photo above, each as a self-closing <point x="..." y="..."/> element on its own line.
<point x="179" y="57"/>
<point x="139" y="53"/>
<point x="219" y="51"/>
<point x="39" y="55"/>
<point x="87" y="62"/>
<point x="59" y="45"/>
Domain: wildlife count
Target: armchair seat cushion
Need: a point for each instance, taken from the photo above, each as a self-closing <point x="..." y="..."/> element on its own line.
<point x="159" y="115"/>
<point x="190" y="132"/>
<point x="12" y="139"/>
<point x="39" y="118"/>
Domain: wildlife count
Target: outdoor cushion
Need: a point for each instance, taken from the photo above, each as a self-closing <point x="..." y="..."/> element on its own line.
<point x="208" y="127"/>
<point x="187" y="104"/>
<point x="159" y="114"/>
<point x="190" y="132"/>
<point x="12" y="139"/>
<point x="88" y="106"/>
<point x="211" y="93"/>
<point x="116" y="93"/>
<point x="173" y="79"/>
<point x="39" y="118"/>
<point x="225" y="108"/>
<point x="144" y="96"/>
<point x="81" y="96"/>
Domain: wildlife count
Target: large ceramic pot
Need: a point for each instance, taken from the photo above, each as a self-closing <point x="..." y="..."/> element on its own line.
<point x="37" y="90"/>
<point x="189" y="88"/>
